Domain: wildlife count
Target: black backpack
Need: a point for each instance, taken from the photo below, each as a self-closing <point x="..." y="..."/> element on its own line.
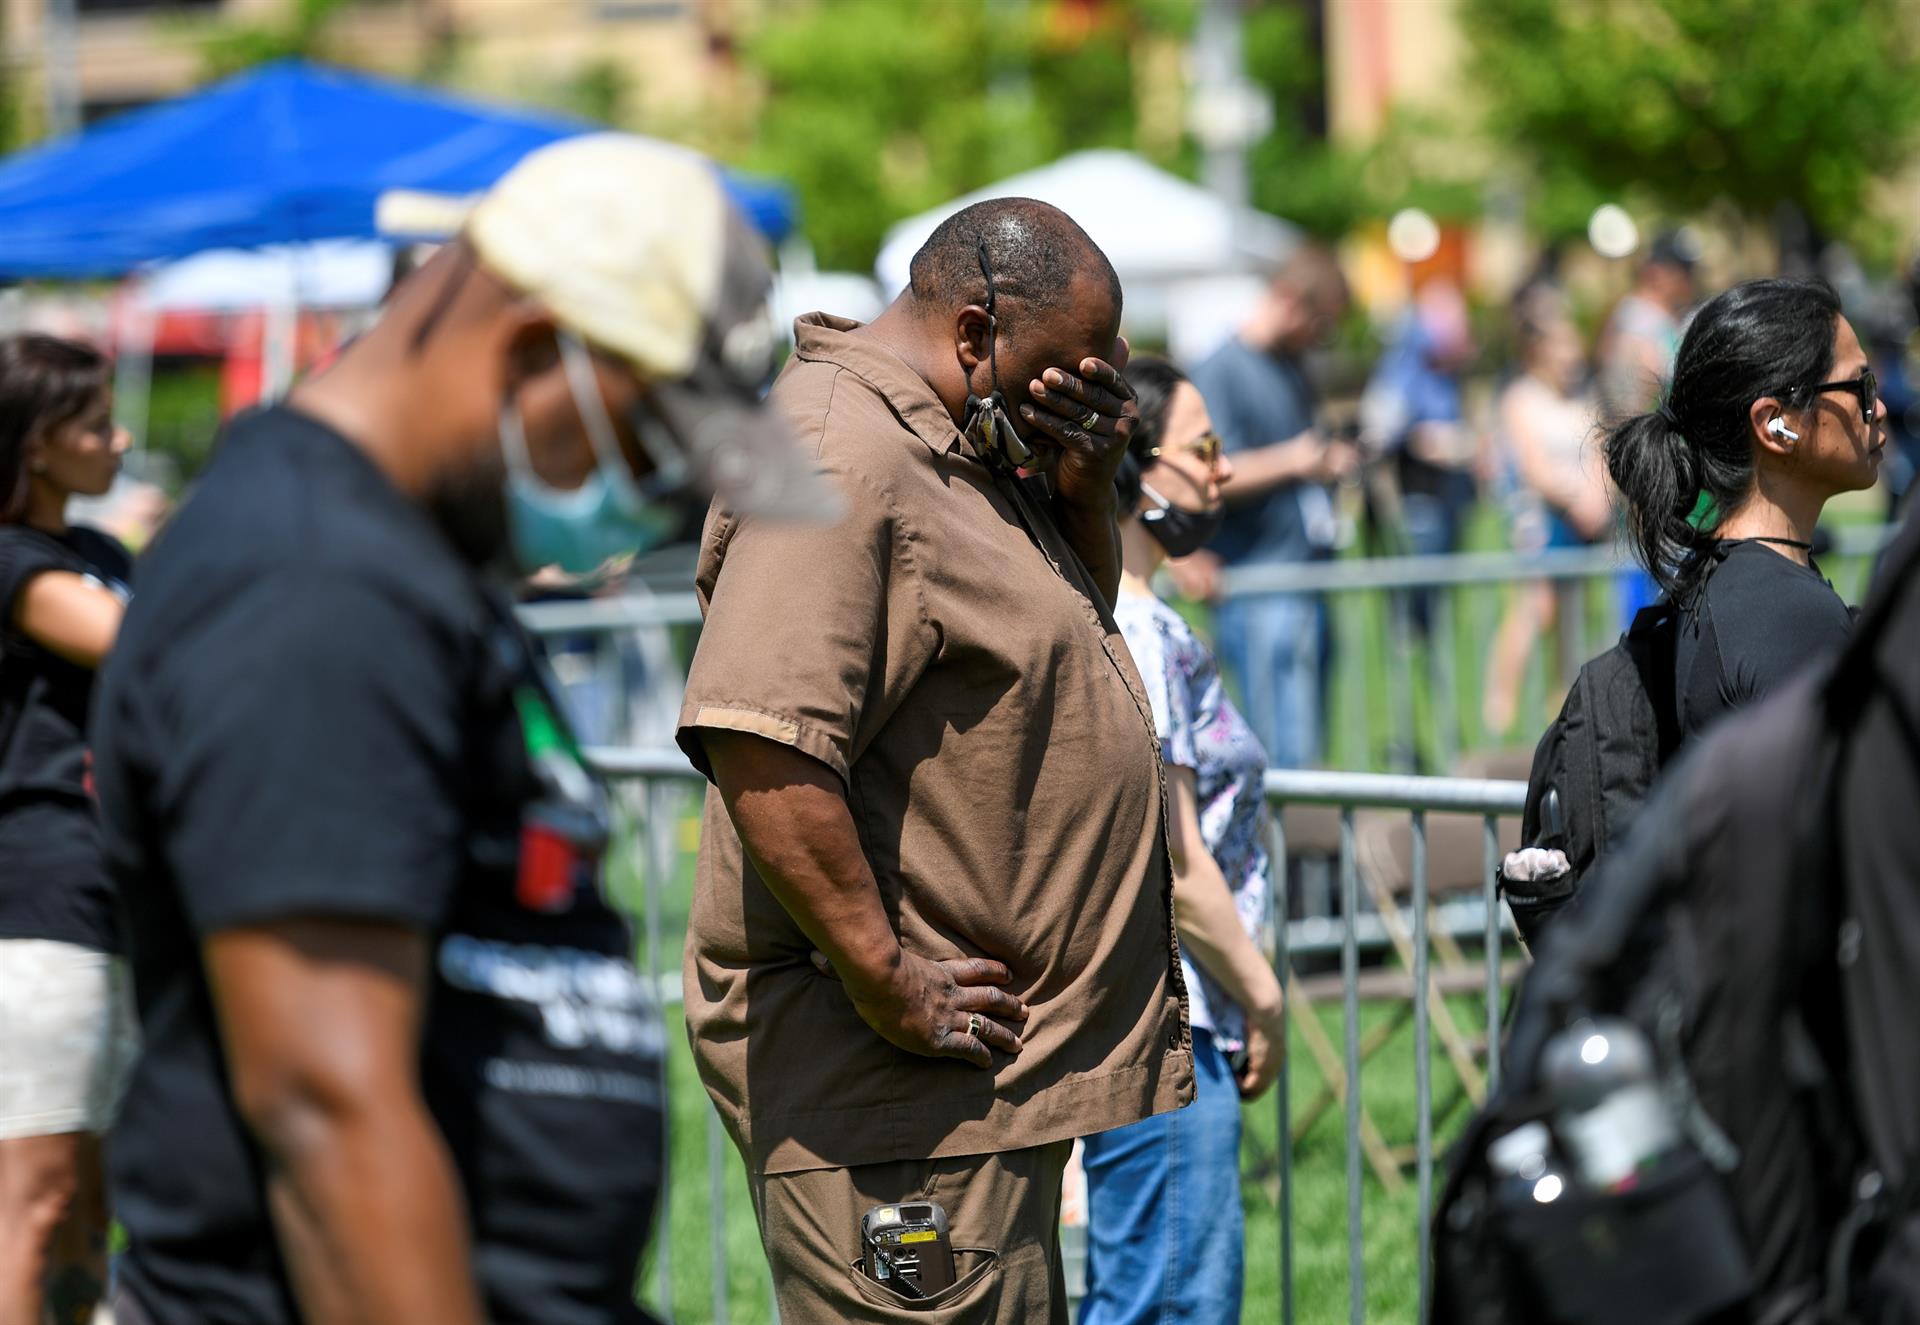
<point x="1597" y="761"/>
<point x="1725" y="929"/>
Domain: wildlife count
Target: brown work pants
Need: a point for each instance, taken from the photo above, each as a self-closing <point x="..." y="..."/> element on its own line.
<point x="1003" y="1215"/>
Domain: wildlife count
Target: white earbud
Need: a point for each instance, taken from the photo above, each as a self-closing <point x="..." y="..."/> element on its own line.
<point x="1779" y="428"/>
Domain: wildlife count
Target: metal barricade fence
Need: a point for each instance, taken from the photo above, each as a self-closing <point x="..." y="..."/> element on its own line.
<point x="1428" y="681"/>
<point x="653" y="786"/>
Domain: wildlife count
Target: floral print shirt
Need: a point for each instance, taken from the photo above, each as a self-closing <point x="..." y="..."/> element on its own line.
<point x="1200" y="729"/>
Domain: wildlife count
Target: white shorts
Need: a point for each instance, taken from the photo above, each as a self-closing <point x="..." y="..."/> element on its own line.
<point x="67" y="1038"/>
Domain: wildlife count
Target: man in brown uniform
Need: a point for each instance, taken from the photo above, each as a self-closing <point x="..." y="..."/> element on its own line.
<point x="947" y="947"/>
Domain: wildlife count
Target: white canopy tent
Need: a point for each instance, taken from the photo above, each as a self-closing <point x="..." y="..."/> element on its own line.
<point x="1187" y="258"/>
<point x="330" y="274"/>
<point x="844" y="294"/>
<point x="346" y="275"/>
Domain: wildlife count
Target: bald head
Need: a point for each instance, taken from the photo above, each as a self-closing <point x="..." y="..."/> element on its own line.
<point x="1037" y="255"/>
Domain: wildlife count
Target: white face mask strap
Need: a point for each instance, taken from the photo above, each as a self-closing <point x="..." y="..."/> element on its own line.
<point x="513" y="444"/>
<point x="585" y="385"/>
<point x="1161" y="503"/>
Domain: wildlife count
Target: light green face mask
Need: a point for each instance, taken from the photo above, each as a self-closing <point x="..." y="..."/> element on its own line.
<point x="609" y="515"/>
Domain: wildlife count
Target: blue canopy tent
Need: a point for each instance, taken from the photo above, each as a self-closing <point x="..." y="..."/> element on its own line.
<point x="285" y="154"/>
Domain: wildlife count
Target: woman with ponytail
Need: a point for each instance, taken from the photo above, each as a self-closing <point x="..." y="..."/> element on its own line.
<point x="1773" y="411"/>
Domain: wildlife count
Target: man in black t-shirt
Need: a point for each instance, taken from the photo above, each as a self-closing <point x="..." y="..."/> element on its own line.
<point x="397" y="1066"/>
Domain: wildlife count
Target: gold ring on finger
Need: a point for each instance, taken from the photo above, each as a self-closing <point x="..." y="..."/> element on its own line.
<point x="1091" y="421"/>
<point x="973" y="1025"/>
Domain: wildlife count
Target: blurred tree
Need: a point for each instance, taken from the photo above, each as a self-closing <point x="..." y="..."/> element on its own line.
<point x="598" y="90"/>
<point x="1327" y="189"/>
<point x="300" y="31"/>
<point x="878" y="109"/>
<point x="1761" y="103"/>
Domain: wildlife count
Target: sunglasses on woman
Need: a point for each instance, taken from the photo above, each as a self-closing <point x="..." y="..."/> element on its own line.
<point x="1866" y="386"/>
<point x="1206" y="447"/>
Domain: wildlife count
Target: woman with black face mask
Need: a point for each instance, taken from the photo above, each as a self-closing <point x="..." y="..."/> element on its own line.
<point x="1169" y="500"/>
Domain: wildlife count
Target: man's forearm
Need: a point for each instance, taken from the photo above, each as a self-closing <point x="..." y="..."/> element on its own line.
<point x="1259" y="471"/>
<point x="1095" y="538"/>
<point x="792" y="817"/>
<point x="793" y="820"/>
<point x="1215" y="939"/>
<point x="369" y="1215"/>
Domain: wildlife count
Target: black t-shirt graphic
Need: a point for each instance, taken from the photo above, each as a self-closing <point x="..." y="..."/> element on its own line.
<point x="1760" y="618"/>
<point x="317" y="710"/>
<point x="53" y="882"/>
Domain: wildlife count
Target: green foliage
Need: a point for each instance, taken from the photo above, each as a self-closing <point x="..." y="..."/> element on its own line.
<point x="1293" y="173"/>
<point x="14" y="127"/>
<point x="1327" y="189"/>
<point x="183" y="415"/>
<point x="598" y="91"/>
<point x="231" y="47"/>
<point x="878" y="109"/>
<point x="1691" y="102"/>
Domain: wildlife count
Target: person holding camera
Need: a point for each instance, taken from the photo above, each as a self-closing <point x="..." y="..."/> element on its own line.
<point x="931" y="938"/>
<point x="1166" y="1235"/>
<point x="1280" y="509"/>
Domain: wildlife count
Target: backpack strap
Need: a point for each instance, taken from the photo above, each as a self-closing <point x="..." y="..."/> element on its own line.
<point x="1656" y="632"/>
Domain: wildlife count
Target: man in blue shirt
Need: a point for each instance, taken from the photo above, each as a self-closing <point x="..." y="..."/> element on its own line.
<point x="1278" y="507"/>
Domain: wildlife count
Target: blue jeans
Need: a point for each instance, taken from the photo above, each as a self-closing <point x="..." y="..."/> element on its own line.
<point x="1166" y="1237"/>
<point x="1271" y="645"/>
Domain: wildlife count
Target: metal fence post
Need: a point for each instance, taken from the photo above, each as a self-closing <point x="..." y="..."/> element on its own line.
<point x="1403" y="730"/>
<point x="1443" y="694"/>
<point x="1573" y="629"/>
<point x="1491" y="894"/>
<point x="1422" y="1055"/>
<point x="717" y="1215"/>
<point x="1279" y="912"/>
<point x="1348" y="611"/>
<point x="1350" y="991"/>
<point x="657" y="861"/>
<point x="1483" y="615"/>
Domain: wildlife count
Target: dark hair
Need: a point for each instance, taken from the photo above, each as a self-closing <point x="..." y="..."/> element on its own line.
<point x="1154" y="380"/>
<point x="44" y="382"/>
<point x="1761" y="338"/>
<point x="1035" y="251"/>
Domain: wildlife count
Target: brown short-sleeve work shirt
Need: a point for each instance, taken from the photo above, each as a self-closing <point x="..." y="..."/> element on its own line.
<point x="945" y="652"/>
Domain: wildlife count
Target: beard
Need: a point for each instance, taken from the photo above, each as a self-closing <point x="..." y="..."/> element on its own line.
<point x="470" y="507"/>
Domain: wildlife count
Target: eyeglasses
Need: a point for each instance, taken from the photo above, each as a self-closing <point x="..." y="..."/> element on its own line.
<point x="1866" y="386"/>
<point x="1206" y="447"/>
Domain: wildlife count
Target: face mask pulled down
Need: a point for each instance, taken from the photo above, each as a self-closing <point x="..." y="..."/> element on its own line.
<point x="989" y="429"/>
<point x="1180" y="532"/>
<point x="609" y="515"/>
